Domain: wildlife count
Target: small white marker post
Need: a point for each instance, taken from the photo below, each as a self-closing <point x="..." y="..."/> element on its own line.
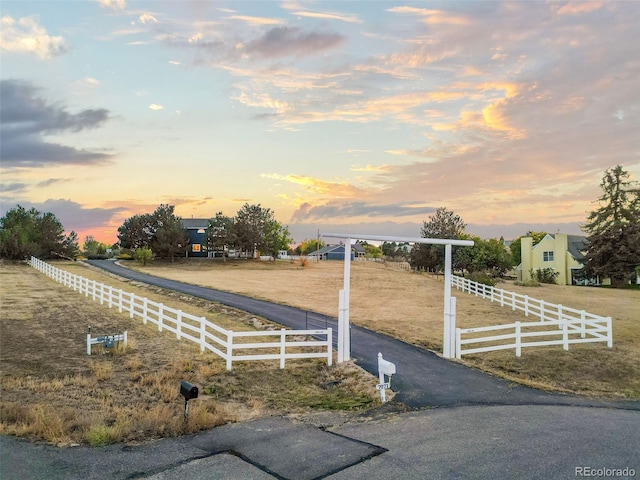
<point x="384" y="368"/>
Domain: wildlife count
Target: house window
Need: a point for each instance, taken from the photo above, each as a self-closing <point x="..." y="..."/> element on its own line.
<point x="195" y="247"/>
<point x="547" y="256"/>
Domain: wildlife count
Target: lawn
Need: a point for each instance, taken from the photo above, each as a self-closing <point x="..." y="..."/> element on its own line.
<point x="53" y="391"/>
<point x="409" y="306"/>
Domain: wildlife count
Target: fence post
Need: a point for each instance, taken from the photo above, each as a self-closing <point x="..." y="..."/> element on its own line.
<point x="501" y="297"/>
<point x="329" y="346"/>
<point x="452" y="338"/>
<point x="565" y="335"/>
<point x="283" y="346"/>
<point x="120" y="300"/>
<point x="560" y="316"/>
<point x="94" y="291"/>
<point x="145" y="310"/>
<point x="132" y="302"/>
<point x="229" y="349"/>
<point x="609" y="332"/>
<point x="518" y="340"/>
<point x="458" y="344"/>
<point x="203" y="338"/>
<point x="88" y="344"/>
<point x="102" y="294"/>
<point x="526" y="305"/>
<point x="125" y="338"/>
<point x="160" y="315"/>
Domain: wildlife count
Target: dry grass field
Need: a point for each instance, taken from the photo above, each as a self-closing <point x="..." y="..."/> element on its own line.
<point x="409" y="306"/>
<point x="53" y="391"/>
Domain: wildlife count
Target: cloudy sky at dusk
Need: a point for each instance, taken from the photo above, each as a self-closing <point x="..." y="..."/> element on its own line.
<point x="361" y="117"/>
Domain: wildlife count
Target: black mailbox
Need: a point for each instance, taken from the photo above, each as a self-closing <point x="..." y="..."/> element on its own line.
<point x="188" y="391"/>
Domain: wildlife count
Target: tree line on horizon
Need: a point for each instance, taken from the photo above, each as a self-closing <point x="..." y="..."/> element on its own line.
<point x="253" y="229"/>
<point x="613" y="234"/>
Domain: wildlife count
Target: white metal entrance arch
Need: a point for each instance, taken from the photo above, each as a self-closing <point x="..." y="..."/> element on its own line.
<point x="448" y="340"/>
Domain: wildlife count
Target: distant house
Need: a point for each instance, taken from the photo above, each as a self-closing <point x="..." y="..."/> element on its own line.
<point x="332" y="252"/>
<point x="561" y="252"/>
<point x="196" y="229"/>
<point x="358" y="251"/>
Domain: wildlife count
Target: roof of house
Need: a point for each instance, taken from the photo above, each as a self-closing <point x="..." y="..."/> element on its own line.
<point x="358" y="248"/>
<point x="328" y="249"/>
<point x="576" y="245"/>
<point x="195" y="222"/>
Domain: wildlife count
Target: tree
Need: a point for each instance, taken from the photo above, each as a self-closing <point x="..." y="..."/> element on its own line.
<point x="136" y="232"/>
<point x="18" y="233"/>
<point x="393" y="249"/>
<point x="614" y="229"/>
<point x="93" y="248"/>
<point x="70" y="246"/>
<point x="220" y="233"/>
<point x="276" y="238"/>
<point x="488" y="256"/>
<point x="442" y="224"/>
<point x="252" y="222"/>
<point x="28" y="232"/>
<point x="309" y="245"/>
<point x="169" y="237"/>
<point x="371" y="251"/>
<point x="162" y="231"/>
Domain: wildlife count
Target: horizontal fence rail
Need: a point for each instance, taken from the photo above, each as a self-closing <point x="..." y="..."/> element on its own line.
<point x="571" y="325"/>
<point x="199" y="330"/>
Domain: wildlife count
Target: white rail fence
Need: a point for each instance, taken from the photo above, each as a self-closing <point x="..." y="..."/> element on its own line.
<point x="209" y="336"/>
<point x="571" y="325"/>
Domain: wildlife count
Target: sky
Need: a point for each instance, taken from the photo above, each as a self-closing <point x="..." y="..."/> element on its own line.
<point x="346" y="116"/>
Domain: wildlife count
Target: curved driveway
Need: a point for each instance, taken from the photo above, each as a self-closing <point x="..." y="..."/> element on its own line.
<point x="423" y="379"/>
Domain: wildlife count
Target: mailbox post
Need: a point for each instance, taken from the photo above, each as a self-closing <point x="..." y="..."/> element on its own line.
<point x="384" y="368"/>
<point x="189" y="392"/>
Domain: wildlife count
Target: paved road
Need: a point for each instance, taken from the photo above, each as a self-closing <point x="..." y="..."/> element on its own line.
<point x="423" y="379"/>
<point x="524" y="442"/>
<point x="491" y="430"/>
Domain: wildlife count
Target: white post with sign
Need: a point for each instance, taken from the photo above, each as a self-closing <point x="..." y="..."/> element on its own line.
<point x="345" y="347"/>
<point x="384" y="368"/>
<point x="446" y="335"/>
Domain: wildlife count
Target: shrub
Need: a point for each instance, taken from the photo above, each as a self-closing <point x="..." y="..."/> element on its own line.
<point x="144" y="255"/>
<point x="97" y="256"/>
<point x="544" y="275"/>
<point x="483" y="277"/>
<point x="303" y="261"/>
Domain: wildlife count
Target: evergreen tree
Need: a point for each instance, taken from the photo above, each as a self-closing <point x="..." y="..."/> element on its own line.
<point x="252" y="221"/>
<point x="169" y="237"/>
<point x="614" y="229"/>
<point x="136" y="232"/>
<point x="28" y="232"/>
<point x="442" y="224"/>
<point x="220" y="233"/>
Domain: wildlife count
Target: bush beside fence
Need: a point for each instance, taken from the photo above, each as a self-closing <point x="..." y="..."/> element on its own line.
<point x="206" y="334"/>
<point x="571" y="325"/>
